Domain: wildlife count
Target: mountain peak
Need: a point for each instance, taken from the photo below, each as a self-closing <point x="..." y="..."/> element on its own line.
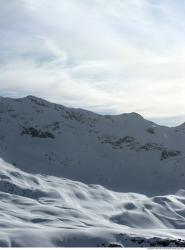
<point x="32" y="97"/>
<point x="134" y="114"/>
<point x="37" y="100"/>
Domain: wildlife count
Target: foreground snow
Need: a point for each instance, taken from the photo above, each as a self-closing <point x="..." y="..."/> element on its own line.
<point x="43" y="211"/>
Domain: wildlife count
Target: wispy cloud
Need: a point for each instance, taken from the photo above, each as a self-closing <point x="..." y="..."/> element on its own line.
<point x="106" y="55"/>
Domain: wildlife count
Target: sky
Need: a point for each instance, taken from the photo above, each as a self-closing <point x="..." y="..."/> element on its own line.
<point x="107" y="56"/>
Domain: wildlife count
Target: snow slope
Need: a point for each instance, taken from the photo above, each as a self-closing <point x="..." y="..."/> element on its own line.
<point x="124" y="153"/>
<point x="41" y="211"/>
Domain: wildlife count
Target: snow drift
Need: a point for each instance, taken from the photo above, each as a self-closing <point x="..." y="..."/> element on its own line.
<point x="39" y="210"/>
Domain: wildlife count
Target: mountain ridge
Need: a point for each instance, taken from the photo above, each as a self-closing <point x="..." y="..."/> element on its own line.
<point x="134" y="114"/>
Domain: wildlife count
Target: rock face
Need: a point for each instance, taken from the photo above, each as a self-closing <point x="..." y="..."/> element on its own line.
<point x="125" y="152"/>
<point x="33" y="132"/>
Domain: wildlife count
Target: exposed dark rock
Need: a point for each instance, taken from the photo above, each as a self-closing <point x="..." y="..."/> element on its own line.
<point x="152" y="146"/>
<point x="33" y="132"/>
<point x="81" y="118"/>
<point x="152" y="242"/>
<point x="118" y="143"/>
<point x="150" y="130"/>
<point x="109" y="245"/>
<point x="165" y="154"/>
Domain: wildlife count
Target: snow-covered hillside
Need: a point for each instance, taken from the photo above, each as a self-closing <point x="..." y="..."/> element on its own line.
<point x="124" y="153"/>
<point x="47" y="211"/>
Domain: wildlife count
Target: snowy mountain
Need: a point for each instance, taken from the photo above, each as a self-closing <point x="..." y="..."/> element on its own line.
<point x="70" y="177"/>
<point x="124" y="153"/>
<point x="46" y="211"/>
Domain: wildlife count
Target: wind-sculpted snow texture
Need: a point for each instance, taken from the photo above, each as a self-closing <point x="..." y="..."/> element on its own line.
<point x="42" y="211"/>
<point x="124" y="153"/>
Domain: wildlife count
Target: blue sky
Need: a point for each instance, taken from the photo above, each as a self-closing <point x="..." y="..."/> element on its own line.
<point x="109" y="56"/>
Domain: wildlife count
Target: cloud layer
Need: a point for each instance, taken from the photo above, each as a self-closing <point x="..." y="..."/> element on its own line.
<point x="110" y="56"/>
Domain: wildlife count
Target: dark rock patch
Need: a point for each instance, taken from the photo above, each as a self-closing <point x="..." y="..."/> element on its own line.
<point x="151" y="130"/>
<point x="165" y="154"/>
<point x="33" y="132"/>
